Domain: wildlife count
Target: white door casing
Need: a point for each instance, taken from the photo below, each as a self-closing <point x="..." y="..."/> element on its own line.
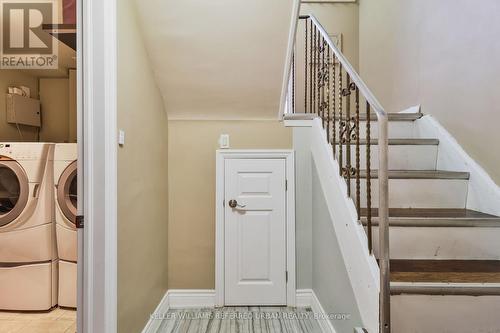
<point x="255" y="232"/>
<point x="252" y="265"/>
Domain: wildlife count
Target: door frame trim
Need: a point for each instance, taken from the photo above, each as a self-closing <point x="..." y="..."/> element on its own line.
<point x="97" y="61"/>
<point x="289" y="157"/>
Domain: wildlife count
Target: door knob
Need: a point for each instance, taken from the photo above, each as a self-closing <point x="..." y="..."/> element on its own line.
<point x="233" y="204"/>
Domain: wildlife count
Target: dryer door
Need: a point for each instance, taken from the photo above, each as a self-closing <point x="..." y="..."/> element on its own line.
<point x="67" y="196"/>
<point x="14" y="190"/>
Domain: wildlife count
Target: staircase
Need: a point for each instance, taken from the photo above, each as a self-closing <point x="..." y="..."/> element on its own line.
<point x="444" y="256"/>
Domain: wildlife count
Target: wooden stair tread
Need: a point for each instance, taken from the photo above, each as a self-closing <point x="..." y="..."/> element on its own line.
<point x="412" y="217"/>
<point x="419" y="174"/>
<point x="446" y="277"/>
<point x="445" y="288"/>
<point x="445" y="271"/>
<point x="434" y="213"/>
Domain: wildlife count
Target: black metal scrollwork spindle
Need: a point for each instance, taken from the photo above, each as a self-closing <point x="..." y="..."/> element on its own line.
<point x="368" y="179"/>
<point x="318" y="74"/>
<point x="358" y="181"/>
<point x="341" y="120"/>
<point x="313" y="68"/>
<point x="323" y="81"/>
<point x="328" y="90"/>
<point x="334" y="94"/>
<point x="346" y="137"/>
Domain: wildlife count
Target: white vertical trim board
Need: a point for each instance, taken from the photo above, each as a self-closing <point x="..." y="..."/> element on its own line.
<point x="100" y="166"/>
<point x="221" y="156"/>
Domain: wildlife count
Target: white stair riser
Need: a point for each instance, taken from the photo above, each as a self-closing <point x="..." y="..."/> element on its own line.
<point x="457" y="314"/>
<point x="419" y="193"/>
<point x="397" y="129"/>
<point x="452" y="243"/>
<point x="400" y="157"/>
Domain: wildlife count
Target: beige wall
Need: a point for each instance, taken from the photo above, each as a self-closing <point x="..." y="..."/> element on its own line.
<point x="9" y="132"/>
<point x="142" y="181"/>
<point x="338" y="18"/>
<point x="192" y="146"/>
<point x="54" y="100"/>
<point x="444" y="56"/>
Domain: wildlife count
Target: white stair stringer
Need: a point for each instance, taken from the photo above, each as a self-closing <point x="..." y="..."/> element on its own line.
<point x="483" y="194"/>
<point x="362" y="267"/>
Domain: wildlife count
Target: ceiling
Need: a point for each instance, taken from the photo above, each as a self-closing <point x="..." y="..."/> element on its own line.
<point x="219" y="59"/>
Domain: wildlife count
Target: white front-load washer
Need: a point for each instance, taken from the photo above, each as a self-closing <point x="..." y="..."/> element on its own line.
<point x="28" y="256"/>
<point x="65" y="176"/>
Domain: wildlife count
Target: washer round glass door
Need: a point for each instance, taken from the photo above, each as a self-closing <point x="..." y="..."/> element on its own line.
<point x="67" y="196"/>
<point x="14" y="190"/>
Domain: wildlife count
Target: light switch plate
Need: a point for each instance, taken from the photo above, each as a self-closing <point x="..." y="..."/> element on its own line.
<point x="121" y="137"/>
<point x="224" y="141"/>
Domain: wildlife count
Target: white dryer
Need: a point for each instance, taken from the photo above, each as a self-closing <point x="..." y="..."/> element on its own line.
<point x="28" y="256"/>
<point x="65" y="176"/>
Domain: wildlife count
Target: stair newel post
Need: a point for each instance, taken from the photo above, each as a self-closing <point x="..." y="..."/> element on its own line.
<point x="384" y="257"/>
<point x="305" y="64"/>
<point x="311" y="69"/>
<point x="368" y="179"/>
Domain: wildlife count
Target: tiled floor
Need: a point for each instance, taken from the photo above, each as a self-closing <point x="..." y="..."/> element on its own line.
<point x="55" y="321"/>
<point x="239" y="319"/>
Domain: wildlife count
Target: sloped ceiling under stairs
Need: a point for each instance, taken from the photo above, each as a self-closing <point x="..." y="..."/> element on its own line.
<point x="218" y="59"/>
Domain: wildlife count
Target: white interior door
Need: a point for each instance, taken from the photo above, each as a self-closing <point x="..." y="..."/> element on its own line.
<point x="255" y="232"/>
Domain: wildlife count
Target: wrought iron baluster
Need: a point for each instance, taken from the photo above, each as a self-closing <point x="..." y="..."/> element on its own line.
<point x="318" y="74"/>
<point x="313" y="70"/>
<point x="346" y="137"/>
<point x="368" y="180"/>
<point x="358" y="181"/>
<point x="334" y="94"/>
<point x="328" y="90"/>
<point x="323" y="81"/>
<point x="341" y="121"/>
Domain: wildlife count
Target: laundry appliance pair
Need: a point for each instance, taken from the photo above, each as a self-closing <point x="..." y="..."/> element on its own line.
<point x="36" y="264"/>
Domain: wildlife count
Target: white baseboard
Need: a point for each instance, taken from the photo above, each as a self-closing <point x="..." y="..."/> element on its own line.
<point x="192" y="298"/>
<point x="307" y="298"/>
